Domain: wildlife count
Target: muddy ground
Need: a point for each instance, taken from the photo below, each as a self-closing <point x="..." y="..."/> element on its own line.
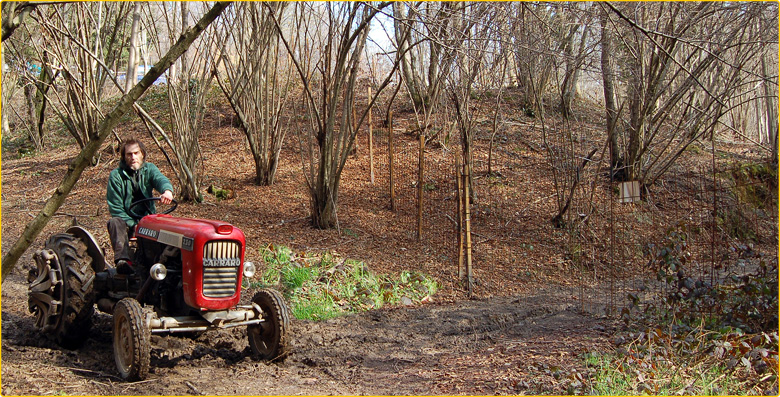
<point x="505" y="345"/>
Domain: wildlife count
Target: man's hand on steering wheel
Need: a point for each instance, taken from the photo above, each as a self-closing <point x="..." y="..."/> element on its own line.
<point x="167" y="197"/>
<point x="136" y="216"/>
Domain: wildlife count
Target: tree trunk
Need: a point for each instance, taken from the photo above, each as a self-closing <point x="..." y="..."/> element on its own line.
<point x="635" y="135"/>
<point x="265" y="170"/>
<point x="185" y="13"/>
<point x="132" y="58"/>
<point x="467" y="231"/>
<point x="770" y="99"/>
<point x="143" y="49"/>
<point x="572" y="72"/>
<point x="84" y="158"/>
<point x="323" y="207"/>
<point x="45" y="81"/>
<point x="420" y="187"/>
<point x="40" y="109"/>
<point x="98" y="29"/>
<point x="391" y="156"/>
<point x="402" y="25"/>
<point x="13" y="15"/>
<point x="608" y="78"/>
<point x="10" y="84"/>
<point x="29" y="99"/>
<point x="6" y="125"/>
<point x="461" y="212"/>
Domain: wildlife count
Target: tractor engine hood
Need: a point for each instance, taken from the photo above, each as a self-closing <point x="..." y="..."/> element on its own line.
<point x="180" y="231"/>
<point x="212" y="253"/>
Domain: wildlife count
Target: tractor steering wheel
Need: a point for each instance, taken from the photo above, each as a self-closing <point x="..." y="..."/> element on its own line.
<point x="174" y="204"/>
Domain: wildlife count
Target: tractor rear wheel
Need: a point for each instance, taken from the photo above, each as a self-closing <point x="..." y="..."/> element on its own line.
<point x="268" y="340"/>
<point x="61" y="292"/>
<point x="132" y="345"/>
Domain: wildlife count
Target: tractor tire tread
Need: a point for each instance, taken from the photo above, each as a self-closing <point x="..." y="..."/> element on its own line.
<point x="141" y="338"/>
<point x="78" y="306"/>
<point x="279" y="310"/>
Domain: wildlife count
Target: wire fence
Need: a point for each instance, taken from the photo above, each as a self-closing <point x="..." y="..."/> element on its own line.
<point x="437" y="184"/>
<point x="713" y="208"/>
<point x="714" y="222"/>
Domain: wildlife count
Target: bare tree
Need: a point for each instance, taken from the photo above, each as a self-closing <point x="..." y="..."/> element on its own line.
<point x="14" y="13"/>
<point x="573" y="24"/>
<point x="498" y="74"/>
<point x="683" y="61"/>
<point x="329" y="93"/>
<point x="534" y="59"/>
<point x="419" y="29"/>
<point x="65" y="49"/>
<point x="105" y="126"/>
<point x="133" y="50"/>
<point x="608" y="82"/>
<point x="769" y="73"/>
<point x="187" y="92"/>
<point x="424" y="35"/>
<point x="10" y="86"/>
<point x="36" y="92"/>
<point x="258" y="82"/>
<point x="36" y="77"/>
<point x="468" y="34"/>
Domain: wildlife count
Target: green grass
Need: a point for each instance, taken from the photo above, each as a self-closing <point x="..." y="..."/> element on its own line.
<point x="697" y="362"/>
<point x="618" y="374"/>
<point x="294" y="277"/>
<point x="322" y="286"/>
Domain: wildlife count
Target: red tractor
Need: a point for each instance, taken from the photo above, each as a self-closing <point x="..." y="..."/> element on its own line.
<point x="187" y="278"/>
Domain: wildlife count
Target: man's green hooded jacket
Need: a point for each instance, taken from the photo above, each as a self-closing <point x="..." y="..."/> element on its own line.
<point x="120" y="190"/>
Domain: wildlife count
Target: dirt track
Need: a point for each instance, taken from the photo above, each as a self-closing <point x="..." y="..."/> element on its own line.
<point x="520" y="345"/>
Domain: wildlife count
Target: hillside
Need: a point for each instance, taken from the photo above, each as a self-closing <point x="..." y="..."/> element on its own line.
<point x="540" y="291"/>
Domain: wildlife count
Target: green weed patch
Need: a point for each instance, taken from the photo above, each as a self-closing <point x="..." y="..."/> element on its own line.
<point x="322" y="286"/>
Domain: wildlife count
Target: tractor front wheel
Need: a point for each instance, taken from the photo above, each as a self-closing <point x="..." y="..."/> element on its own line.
<point x="268" y="340"/>
<point x="132" y="346"/>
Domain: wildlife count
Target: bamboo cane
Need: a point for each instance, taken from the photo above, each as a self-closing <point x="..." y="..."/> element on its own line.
<point x="466" y="207"/>
<point x="420" y="188"/>
<point x="390" y="154"/>
<point x="370" y="139"/>
<point x="354" y="128"/>
<point x="459" y="217"/>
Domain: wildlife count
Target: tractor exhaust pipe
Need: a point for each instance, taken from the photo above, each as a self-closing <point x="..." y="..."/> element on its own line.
<point x="142" y="292"/>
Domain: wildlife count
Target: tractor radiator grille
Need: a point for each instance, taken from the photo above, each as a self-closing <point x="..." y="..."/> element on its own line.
<point x="221" y="263"/>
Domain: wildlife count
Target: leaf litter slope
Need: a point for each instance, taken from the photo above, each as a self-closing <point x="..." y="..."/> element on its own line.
<point x="522" y="334"/>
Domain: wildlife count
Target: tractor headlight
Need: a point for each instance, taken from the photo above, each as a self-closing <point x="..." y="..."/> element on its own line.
<point x="249" y="269"/>
<point x="158" y="271"/>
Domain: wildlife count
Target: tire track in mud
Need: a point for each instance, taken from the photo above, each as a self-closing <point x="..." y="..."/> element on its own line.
<point x="392" y="351"/>
<point x="390" y="347"/>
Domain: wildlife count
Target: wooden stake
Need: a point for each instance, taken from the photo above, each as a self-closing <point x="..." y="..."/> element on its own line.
<point x="390" y="153"/>
<point x="459" y="217"/>
<point x="420" y="188"/>
<point x="354" y="127"/>
<point x="370" y="138"/>
<point x="467" y="209"/>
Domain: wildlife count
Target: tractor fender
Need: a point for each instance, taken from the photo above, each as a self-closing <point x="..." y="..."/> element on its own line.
<point x="93" y="249"/>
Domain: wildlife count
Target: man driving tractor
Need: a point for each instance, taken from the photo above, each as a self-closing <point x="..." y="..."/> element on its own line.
<point x="134" y="179"/>
<point x="181" y="275"/>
